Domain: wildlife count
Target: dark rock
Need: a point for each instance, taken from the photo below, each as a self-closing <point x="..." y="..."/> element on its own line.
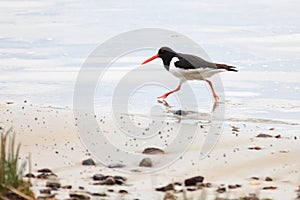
<point x="67" y="187"/>
<point x="207" y="185"/>
<point x="165" y="188"/>
<point x="99" y="177"/>
<point x="235" y="129"/>
<point x="44" y="170"/>
<point x="197" y="180"/>
<point x="116" y="165"/>
<point x="277" y="136"/>
<point x="108" y="181"/>
<point x="250" y="197"/>
<point x="9" y="102"/>
<point x="180" y="112"/>
<point x="272" y="129"/>
<point x="153" y="151"/>
<point x="53" y="182"/>
<point x="191" y="189"/>
<point x="263" y="135"/>
<point x="255" y="148"/>
<point x="221" y="190"/>
<point x="81" y="188"/>
<point x="45" y="175"/>
<point x="45" y="191"/>
<point x="46" y="196"/>
<point x="30" y="175"/>
<point x="269" y="188"/>
<point x="123" y="191"/>
<point x="146" y="162"/>
<point x="88" y="162"/>
<point x="79" y="195"/>
<point x="119" y="181"/>
<point x="268" y="179"/>
<point x="234" y="186"/>
<point x="254" y="178"/>
<point x="110" y="190"/>
<point x="97" y="194"/>
<point x="120" y="178"/>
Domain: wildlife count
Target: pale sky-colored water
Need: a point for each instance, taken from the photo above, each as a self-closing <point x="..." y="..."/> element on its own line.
<point x="44" y="43"/>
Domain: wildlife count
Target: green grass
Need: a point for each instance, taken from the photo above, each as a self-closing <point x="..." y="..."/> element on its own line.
<point x="12" y="185"/>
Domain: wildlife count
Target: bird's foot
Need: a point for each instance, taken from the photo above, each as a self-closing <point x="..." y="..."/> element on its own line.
<point x="216" y="98"/>
<point x="163" y="102"/>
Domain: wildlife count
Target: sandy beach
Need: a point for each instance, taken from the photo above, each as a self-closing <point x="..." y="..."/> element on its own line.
<point x="50" y="136"/>
<point x="246" y="145"/>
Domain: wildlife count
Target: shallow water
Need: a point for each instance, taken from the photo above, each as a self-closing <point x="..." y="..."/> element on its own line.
<point x="45" y="43"/>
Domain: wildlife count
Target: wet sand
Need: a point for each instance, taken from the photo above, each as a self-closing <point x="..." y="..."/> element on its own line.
<point x="50" y="136"/>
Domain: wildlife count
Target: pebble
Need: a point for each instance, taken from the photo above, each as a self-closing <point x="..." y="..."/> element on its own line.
<point x="45" y="175"/>
<point x="146" y="162"/>
<point x="88" y="162"/>
<point x="99" y="177"/>
<point x="120" y="178"/>
<point x="108" y="181"/>
<point x="254" y="182"/>
<point x="207" y="185"/>
<point x="45" y="191"/>
<point x="191" y="189"/>
<point x="194" y="181"/>
<point x="45" y="170"/>
<point x="235" y="129"/>
<point x="46" y="197"/>
<point x="30" y="175"/>
<point x="123" y="191"/>
<point x="268" y="179"/>
<point x="79" y="195"/>
<point x="67" y="187"/>
<point x="263" y="135"/>
<point x="180" y="112"/>
<point x="53" y="182"/>
<point x="221" y="190"/>
<point x="269" y="188"/>
<point x="255" y="148"/>
<point x="234" y="186"/>
<point x="116" y="165"/>
<point x="165" y="188"/>
<point x="153" y="151"/>
<point x="102" y="194"/>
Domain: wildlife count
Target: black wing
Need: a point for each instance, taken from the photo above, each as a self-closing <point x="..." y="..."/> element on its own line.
<point x="187" y="61"/>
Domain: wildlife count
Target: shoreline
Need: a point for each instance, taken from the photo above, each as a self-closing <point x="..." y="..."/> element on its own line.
<point x="50" y="133"/>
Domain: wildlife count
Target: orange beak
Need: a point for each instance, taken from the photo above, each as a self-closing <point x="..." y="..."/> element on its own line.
<point x="152" y="58"/>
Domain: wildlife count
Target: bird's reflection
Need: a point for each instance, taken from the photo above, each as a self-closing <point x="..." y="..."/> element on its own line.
<point x="215" y="119"/>
<point x="165" y="103"/>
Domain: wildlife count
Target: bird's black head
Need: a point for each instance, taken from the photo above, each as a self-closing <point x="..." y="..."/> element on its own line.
<point x="165" y="53"/>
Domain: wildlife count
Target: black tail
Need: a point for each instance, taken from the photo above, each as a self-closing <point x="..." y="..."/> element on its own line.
<point x="227" y="67"/>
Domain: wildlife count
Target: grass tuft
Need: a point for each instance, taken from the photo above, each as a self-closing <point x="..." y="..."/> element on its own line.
<point x="12" y="185"/>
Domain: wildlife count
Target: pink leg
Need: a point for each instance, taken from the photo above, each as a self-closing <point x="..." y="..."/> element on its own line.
<point x="168" y="93"/>
<point x="212" y="89"/>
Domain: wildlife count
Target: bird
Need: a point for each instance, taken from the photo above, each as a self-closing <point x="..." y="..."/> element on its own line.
<point x="189" y="67"/>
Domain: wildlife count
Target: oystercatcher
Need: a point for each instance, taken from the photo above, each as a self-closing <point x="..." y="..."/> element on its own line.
<point x="188" y="67"/>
